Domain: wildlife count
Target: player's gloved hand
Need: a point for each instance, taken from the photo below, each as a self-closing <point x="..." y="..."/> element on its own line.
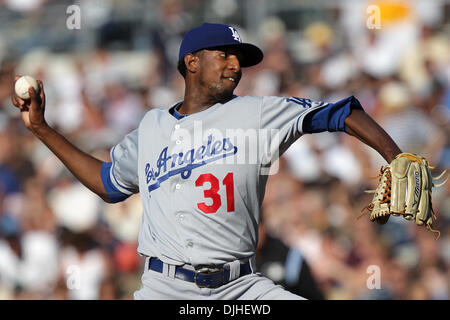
<point x="404" y="188"/>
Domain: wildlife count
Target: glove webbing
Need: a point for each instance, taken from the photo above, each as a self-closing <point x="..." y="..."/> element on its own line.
<point x="386" y="194"/>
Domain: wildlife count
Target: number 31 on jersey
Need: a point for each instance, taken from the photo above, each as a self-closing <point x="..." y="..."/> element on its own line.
<point x="212" y="192"/>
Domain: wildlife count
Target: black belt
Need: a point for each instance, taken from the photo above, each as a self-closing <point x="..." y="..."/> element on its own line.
<point x="208" y="279"/>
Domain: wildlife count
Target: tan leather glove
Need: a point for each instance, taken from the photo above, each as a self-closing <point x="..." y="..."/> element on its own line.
<point x="405" y="188"/>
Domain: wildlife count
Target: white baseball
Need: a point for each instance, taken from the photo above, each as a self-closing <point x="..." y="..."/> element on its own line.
<point x="22" y="85"/>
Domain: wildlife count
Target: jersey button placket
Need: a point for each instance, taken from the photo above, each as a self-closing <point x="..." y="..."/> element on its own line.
<point x="175" y="128"/>
<point x="189" y="244"/>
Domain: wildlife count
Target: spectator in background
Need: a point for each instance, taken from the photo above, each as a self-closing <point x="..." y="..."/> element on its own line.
<point x="407" y="124"/>
<point x="10" y="254"/>
<point x="85" y="268"/>
<point x="285" y="266"/>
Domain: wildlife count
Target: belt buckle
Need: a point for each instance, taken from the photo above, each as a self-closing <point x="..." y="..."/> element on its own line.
<point x="209" y="285"/>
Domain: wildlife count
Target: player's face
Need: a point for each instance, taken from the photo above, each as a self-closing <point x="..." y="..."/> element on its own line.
<point x="220" y="72"/>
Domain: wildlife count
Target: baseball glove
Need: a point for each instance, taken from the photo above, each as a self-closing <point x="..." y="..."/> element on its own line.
<point x="404" y="188"/>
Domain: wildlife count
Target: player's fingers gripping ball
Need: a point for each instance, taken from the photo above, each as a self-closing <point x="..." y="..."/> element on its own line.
<point x="23" y="84"/>
<point x="405" y="188"/>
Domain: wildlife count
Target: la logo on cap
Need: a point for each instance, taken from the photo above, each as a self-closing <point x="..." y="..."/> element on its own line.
<point x="235" y="34"/>
<point x="210" y="35"/>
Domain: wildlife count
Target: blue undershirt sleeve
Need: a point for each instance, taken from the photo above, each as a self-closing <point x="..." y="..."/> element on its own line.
<point x="331" y="117"/>
<point x="112" y="192"/>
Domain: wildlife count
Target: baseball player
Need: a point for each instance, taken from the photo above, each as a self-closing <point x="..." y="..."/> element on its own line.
<point x="200" y="183"/>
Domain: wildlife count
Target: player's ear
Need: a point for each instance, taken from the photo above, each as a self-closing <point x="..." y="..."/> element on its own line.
<point x="191" y="61"/>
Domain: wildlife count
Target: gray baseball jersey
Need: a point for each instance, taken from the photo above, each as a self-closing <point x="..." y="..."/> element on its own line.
<point x="202" y="177"/>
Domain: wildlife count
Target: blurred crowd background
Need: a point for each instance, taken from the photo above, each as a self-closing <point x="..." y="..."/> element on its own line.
<point x="60" y="241"/>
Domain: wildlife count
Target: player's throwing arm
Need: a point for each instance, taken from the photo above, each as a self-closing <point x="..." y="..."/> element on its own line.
<point x="405" y="185"/>
<point x="83" y="166"/>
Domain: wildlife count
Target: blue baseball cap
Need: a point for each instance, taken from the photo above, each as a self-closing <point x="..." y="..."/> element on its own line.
<point x="210" y="35"/>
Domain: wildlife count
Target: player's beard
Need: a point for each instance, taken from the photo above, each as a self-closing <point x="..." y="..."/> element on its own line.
<point x="222" y="91"/>
<point x="219" y="93"/>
